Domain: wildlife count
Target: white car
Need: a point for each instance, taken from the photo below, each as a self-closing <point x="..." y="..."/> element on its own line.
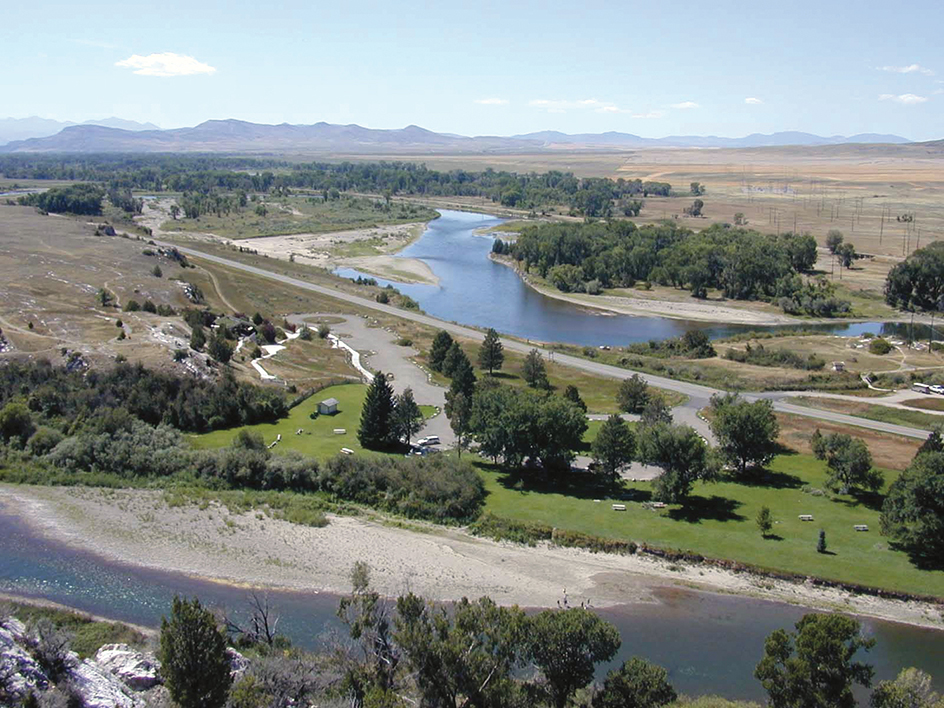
<point x="936" y="388"/>
<point x="430" y="440"/>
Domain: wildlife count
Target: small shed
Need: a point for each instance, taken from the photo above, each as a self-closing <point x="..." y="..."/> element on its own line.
<point x="329" y="406"/>
<point x="839" y="366"/>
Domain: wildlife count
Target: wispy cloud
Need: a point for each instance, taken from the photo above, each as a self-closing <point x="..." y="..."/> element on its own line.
<point x="685" y="105"/>
<point x="909" y="99"/>
<point x="751" y="101"/>
<point x="492" y="101"/>
<point x="591" y="104"/>
<point x="165" y="64"/>
<point x="910" y="69"/>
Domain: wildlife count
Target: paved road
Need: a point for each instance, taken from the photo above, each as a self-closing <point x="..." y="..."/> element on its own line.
<point x="698" y="395"/>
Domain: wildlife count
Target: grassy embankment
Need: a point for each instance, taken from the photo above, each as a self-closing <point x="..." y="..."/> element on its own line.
<point x="719" y="522"/>
<point x="297" y="215"/>
<point x="871" y="411"/>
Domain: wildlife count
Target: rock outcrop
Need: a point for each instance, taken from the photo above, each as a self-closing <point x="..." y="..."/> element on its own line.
<point x="137" y="670"/>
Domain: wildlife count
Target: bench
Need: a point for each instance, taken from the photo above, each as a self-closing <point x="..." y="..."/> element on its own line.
<point x="861" y="527"/>
<point x="619" y="507"/>
<point x="806" y="517"/>
<point x="658" y="505"/>
<point x="347" y="451"/>
<point x="340" y="431"/>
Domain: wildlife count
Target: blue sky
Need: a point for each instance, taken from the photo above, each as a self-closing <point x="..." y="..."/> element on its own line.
<point x="648" y="68"/>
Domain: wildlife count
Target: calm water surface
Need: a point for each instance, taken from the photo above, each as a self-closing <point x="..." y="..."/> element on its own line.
<point x="475" y="290"/>
<point x="709" y="643"/>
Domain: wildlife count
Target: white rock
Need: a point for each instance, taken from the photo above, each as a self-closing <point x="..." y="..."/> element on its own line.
<point x="99" y="689"/>
<point x="28" y="674"/>
<point x="137" y="670"/>
<point x="237" y="663"/>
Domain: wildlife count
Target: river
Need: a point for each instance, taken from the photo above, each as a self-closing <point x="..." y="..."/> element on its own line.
<point x="709" y="643"/>
<point x="474" y="290"/>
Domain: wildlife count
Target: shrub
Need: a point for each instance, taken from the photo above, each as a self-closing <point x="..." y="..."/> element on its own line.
<point x="879" y="346"/>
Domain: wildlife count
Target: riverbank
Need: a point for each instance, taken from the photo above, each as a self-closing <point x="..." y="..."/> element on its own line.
<point x="138" y="527"/>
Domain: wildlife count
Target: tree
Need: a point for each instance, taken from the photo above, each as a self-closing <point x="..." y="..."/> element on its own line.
<point x="534" y="371"/>
<point x="655" y="411"/>
<point x="746" y="432"/>
<point x="934" y="442"/>
<point x="613" y="447"/>
<point x="257" y="319"/>
<point x="849" y="462"/>
<point x="174" y="211"/>
<point x="847" y="254"/>
<point x="739" y="219"/>
<point x="459" y="416"/>
<point x="572" y="394"/>
<point x="105" y="298"/>
<point x="407" y="418"/>
<point x="765" y="521"/>
<point x="813" y="667"/>
<point x="454" y="359"/>
<point x="833" y="240"/>
<point x="219" y="348"/>
<point x="491" y="355"/>
<point x="912" y="688"/>
<point x="697" y="189"/>
<point x="917" y="283"/>
<point x="636" y="684"/>
<point x="193" y="656"/>
<point x="437" y="352"/>
<point x="16" y="424"/>
<point x="633" y="394"/>
<point x="462" y="657"/>
<point x="566" y="645"/>
<point x="157" y="272"/>
<point x="913" y="511"/>
<point x="681" y="453"/>
<point x="821" y="542"/>
<point x="375" y="431"/>
<point x="197" y="339"/>
<point x="695" y="208"/>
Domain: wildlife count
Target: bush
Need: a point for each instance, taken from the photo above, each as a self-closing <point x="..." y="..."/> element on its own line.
<point x="879" y="346"/>
<point x="759" y="355"/>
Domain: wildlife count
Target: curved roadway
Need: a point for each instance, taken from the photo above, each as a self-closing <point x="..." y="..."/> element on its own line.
<point x="698" y="395"/>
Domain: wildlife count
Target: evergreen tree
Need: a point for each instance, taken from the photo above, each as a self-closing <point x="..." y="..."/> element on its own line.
<point x="375" y="430"/>
<point x="573" y="395"/>
<point x="636" y="684"/>
<point x="613" y="447"/>
<point x="197" y="339"/>
<point x="534" y="370"/>
<point x="452" y="360"/>
<point x="437" y="352"/>
<point x="765" y="521"/>
<point x="491" y="354"/>
<point x="219" y="348"/>
<point x="407" y="416"/>
<point x="193" y="657"/>
<point x="459" y="413"/>
<point x="821" y="542"/>
<point x="933" y="443"/>
<point x="462" y="386"/>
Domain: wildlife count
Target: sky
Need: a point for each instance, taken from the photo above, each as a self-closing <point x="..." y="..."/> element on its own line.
<point x="485" y="68"/>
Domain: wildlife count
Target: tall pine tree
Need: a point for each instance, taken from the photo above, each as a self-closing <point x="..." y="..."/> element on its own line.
<point x="437" y="352"/>
<point x="491" y="354"/>
<point x="376" y="429"/>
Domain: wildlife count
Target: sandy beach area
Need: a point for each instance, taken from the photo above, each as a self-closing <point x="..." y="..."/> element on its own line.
<point x="138" y="527"/>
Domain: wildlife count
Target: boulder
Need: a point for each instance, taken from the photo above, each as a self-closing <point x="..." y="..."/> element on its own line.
<point x="139" y="671"/>
<point x="100" y="689"/>
<point x="238" y="664"/>
<point x="27" y="674"/>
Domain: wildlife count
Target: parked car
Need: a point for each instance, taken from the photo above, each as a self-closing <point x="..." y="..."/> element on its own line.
<point x="938" y="389"/>
<point x="429" y="440"/>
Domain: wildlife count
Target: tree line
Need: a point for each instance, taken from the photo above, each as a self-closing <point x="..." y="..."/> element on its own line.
<point x="743" y="264"/>
<point x="590" y="196"/>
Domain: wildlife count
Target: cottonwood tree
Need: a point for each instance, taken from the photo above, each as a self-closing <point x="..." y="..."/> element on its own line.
<point x="813" y="667"/>
<point x="193" y="656"/>
<point x="636" y="684"/>
<point x="633" y="394"/>
<point x="566" y="645"/>
<point x="491" y="354"/>
<point x="459" y="415"/>
<point x="534" y="370"/>
<point x="746" y="432"/>
<point x="681" y="453"/>
<point x="613" y="447"/>
<point x="912" y="688"/>
<point x="375" y="431"/>
<point x="849" y="462"/>
<point x="913" y="511"/>
<point x="834" y="240"/>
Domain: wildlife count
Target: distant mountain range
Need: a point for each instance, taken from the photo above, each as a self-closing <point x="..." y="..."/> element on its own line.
<point x="235" y="136"/>
<point x="34" y="127"/>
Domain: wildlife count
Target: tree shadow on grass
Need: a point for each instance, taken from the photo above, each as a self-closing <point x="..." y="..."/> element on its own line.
<point x="768" y="478"/>
<point x="696" y="509"/>
<point x="580" y="485"/>
<point x="869" y="500"/>
<point x="772" y="537"/>
<point x="918" y="555"/>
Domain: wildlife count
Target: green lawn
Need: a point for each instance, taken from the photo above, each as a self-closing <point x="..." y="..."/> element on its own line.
<point x="720" y="523"/>
<point x="318" y="438"/>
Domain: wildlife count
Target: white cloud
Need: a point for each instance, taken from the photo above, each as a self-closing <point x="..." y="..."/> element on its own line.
<point x="910" y="69"/>
<point x="650" y="114"/>
<point x="165" y="64"/>
<point x="684" y="105"/>
<point x="492" y="101"/>
<point x="909" y="99"/>
<point x="751" y="101"/>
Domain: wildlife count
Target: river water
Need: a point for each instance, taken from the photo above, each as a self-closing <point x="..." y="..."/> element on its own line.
<point x="474" y="290"/>
<point x="709" y="643"/>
